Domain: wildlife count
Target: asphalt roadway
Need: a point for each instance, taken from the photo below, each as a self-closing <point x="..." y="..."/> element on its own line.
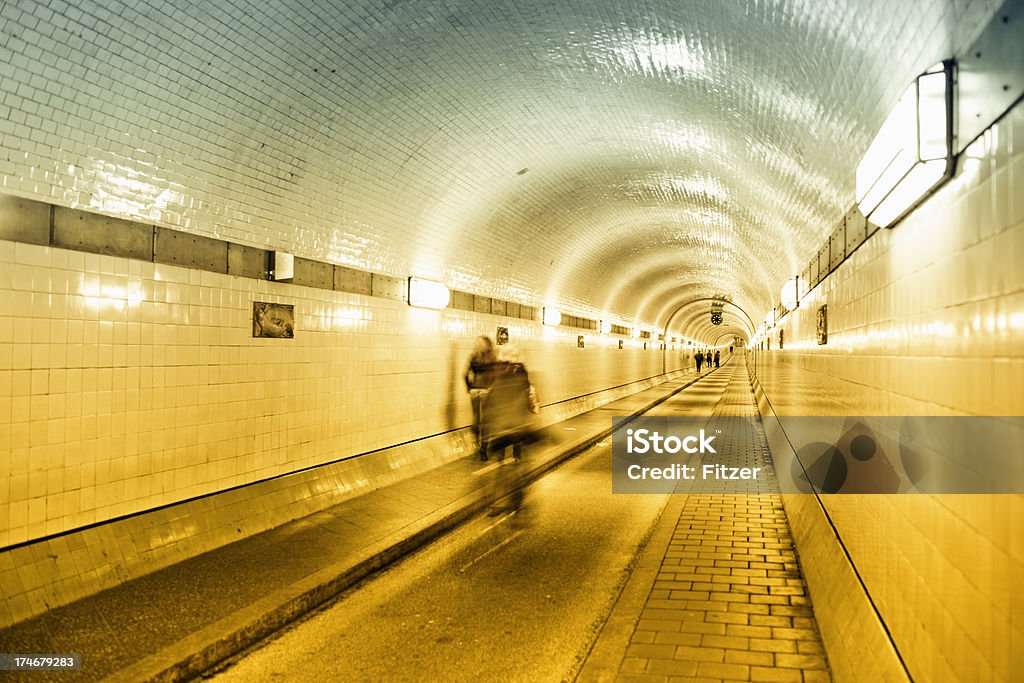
<point x="519" y="596"/>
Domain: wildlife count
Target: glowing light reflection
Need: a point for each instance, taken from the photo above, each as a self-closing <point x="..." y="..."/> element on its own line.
<point x="672" y="185"/>
<point x="125" y="190"/>
<point x="111" y="295"/>
<point x="653" y="55"/>
<point x="348" y="317"/>
<point x="426" y="319"/>
<point x="680" y="139"/>
<point x="455" y="327"/>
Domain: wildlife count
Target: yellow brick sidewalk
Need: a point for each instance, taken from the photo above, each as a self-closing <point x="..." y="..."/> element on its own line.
<point x="729" y="602"/>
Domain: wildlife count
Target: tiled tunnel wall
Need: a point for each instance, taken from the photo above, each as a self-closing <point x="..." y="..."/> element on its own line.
<point x="923" y="319"/>
<point x="127" y="385"/>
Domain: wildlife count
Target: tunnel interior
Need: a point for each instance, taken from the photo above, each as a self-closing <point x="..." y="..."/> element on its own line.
<point x="655" y="172"/>
<point x="576" y="156"/>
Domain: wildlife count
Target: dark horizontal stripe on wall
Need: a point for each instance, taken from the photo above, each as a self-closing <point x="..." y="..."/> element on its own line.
<point x="33" y="222"/>
<point x="847" y="236"/>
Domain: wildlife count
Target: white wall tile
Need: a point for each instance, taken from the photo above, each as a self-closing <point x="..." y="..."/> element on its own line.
<point x="131" y="377"/>
<point x="939" y="335"/>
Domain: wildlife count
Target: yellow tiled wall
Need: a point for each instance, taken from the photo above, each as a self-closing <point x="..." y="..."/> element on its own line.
<point x="928" y="319"/>
<point x="126" y="385"/>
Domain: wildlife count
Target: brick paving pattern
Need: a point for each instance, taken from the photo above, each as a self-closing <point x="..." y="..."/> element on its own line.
<point x="729" y="602"/>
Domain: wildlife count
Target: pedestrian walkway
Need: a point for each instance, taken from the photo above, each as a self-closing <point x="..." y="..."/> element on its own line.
<point x="178" y="621"/>
<point x="718" y="594"/>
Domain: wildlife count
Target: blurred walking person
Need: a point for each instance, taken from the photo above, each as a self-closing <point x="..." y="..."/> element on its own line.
<point x="478" y="377"/>
<point x="707" y="359"/>
<point x="717" y="358"/>
<point x="699" y="358"/>
<point x="508" y="420"/>
<point x="509" y="406"/>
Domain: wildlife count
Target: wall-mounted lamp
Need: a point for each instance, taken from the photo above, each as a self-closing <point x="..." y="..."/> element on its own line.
<point x="428" y="294"/>
<point x="606" y="326"/>
<point x="551" y="316"/>
<point x="912" y="154"/>
<point x="635" y="332"/>
<point x="282" y="266"/>
<point x="769" y="319"/>
<point x="788" y="295"/>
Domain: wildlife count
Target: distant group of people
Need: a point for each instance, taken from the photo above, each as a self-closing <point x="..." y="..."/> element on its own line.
<point x="705" y="357"/>
<point x="502" y="397"/>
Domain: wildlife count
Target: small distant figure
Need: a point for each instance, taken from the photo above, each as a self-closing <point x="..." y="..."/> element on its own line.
<point x="717" y="358"/>
<point x="479" y="376"/>
<point x="730" y="350"/>
<point x="707" y="359"/>
<point x="699" y="358"/>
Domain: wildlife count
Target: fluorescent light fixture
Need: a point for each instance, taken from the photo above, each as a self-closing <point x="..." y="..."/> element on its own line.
<point x="551" y="316"/>
<point x="912" y="154"/>
<point x="606" y="326"/>
<point x="789" y="295"/>
<point x="282" y="266"/>
<point x="428" y="294"/>
<point x="921" y="179"/>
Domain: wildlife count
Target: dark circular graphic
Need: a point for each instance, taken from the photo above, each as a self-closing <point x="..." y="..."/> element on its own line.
<point x="863" y="447"/>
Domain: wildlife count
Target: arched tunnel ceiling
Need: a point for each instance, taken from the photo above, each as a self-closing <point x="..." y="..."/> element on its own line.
<point x="608" y="156"/>
<point x="693" y="320"/>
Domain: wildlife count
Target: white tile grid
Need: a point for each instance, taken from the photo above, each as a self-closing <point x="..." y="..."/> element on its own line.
<point x="926" y="319"/>
<point x="130" y="385"/>
<point x="274" y="125"/>
<point x="247" y="193"/>
<point x="110" y="554"/>
<point x="944" y="559"/>
<point x="856" y="646"/>
<point x="922" y="319"/>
